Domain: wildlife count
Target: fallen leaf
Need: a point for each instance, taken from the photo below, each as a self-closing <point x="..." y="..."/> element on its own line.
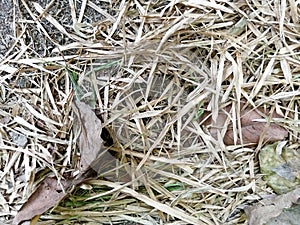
<point x="92" y="152"/>
<point x="47" y="195"/>
<point x="272" y="207"/>
<point x="89" y="139"/>
<point x="252" y="129"/>
<point x="289" y="216"/>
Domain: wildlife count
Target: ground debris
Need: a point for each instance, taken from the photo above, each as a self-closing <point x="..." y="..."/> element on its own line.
<point x="269" y="208"/>
<point x="256" y="126"/>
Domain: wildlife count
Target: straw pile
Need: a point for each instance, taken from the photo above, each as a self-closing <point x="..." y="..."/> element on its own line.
<point x="150" y="69"/>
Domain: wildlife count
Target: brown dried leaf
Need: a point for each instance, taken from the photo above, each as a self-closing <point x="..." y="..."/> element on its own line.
<point x="89" y="140"/>
<point x="252" y="130"/>
<point x="47" y="195"/>
<point x="270" y="208"/>
<point x="93" y="154"/>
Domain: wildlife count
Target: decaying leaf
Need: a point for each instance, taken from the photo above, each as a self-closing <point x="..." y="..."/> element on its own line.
<point x="89" y="139"/>
<point x="252" y="129"/>
<point x="270" y="208"/>
<point x="48" y="194"/>
<point x="280" y="167"/>
<point x="289" y="216"/>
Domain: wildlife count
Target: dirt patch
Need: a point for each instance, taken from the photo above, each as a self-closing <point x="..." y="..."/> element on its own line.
<point x="6" y="26"/>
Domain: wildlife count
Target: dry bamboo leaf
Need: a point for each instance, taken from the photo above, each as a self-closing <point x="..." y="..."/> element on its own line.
<point x="89" y="139"/>
<point x="101" y="11"/>
<point x="47" y="195"/>
<point x="270" y="208"/>
<point x="286" y="69"/>
<point x="82" y="9"/>
<point x="285" y="95"/>
<point x="8" y="69"/>
<point x="39" y="115"/>
<point x="122" y="9"/>
<point x="252" y="128"/>
<point x="261" y="82"/>
<point x="195" y="3"/>
<point x="147" y="114"/>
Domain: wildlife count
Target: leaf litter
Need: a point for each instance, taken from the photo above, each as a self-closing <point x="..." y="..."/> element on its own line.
<point x="270" y="208"/>
<point x="92" y="157"/>
<point x="212" y="54"/>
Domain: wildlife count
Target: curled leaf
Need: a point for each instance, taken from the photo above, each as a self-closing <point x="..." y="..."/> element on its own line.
<point x="253" y="128"/>
<point x="93" y="155"/>
<point x="89" y="139"/>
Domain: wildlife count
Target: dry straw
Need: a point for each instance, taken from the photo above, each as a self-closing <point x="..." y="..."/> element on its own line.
<point x="150" y="69"/>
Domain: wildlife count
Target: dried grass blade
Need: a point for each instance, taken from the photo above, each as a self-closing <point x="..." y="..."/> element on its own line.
<point x="155" y="204"/>
<point x="41" y="136"/>
<point x="56" y="24"/>
<point x="219" y="79"/>
<point x="260" y="83"/>
<point x="282" y="17"/>
<point x="8" y="69"/>
<point x="73" y="11"/>
<point x="147" y="114"/>
<point x="51" y="98"/>
<point x="24" y="123"/>
<point x="286" y="69"/>
<point x="197" y="3"/>
<point x="82" y="9"/>
<point x="101" y="11"/>
<point x="122" y="8"/>
<point x="285" y="95"/>
<point x="179" y="23"/>
<point x="39" y="115"/>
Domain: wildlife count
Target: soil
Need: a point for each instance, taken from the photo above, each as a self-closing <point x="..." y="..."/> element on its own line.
<point x="14" y="17"/>
<point x="6" y="26"/>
